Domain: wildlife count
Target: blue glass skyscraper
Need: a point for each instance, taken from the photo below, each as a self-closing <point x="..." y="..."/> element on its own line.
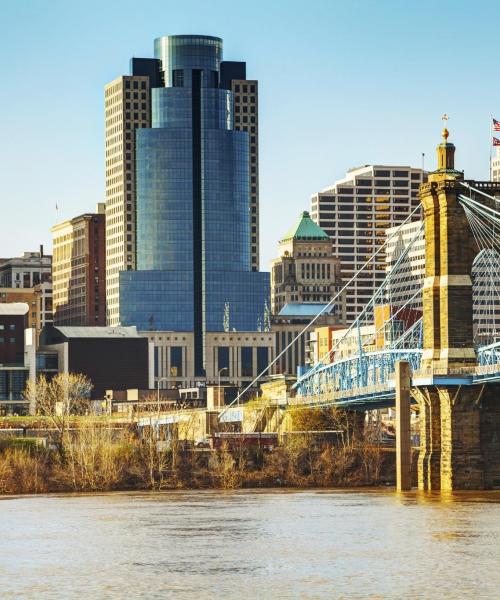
<point x="193" y="202"/>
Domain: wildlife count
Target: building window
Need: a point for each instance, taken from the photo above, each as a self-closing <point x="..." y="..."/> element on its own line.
<point x="262" y="359"/>
<point x="223" y="360"/>
<point x="176" y="361"/>
<point x="246" y="361"/>
<point x="178" y="78"/>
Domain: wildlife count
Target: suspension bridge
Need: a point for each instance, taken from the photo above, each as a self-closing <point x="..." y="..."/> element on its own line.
<point x="358" y="371"/>
<point x="444" y="323"/>
<point x="442" y="320"/>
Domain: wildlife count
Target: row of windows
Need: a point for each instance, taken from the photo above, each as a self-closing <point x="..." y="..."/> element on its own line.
<point x="244" y="88"/>
<point x="243" y="119"/>
<point x="245" y="99"/>
<point x="315" y="271"/>
<point x="127" y="84"/>
<point x="244" y="109"/>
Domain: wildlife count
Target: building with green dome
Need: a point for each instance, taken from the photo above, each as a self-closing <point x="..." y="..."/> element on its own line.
<point x="306" y="271"/>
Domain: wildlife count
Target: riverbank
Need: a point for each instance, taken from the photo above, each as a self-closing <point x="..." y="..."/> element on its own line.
<point x="104" y="461"/>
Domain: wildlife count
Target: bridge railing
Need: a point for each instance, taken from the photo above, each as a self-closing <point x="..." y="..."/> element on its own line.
<point x="338" y="397"/>
<point x="444" y="370"/>
<point x="488" y="370"/>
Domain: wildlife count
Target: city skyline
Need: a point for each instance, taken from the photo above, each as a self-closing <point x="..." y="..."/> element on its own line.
<point x="311" y="133"/>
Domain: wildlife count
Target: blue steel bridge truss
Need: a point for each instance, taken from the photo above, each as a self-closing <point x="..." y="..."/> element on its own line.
<point x="362" y="378"/>
<point x="366" y="380"/>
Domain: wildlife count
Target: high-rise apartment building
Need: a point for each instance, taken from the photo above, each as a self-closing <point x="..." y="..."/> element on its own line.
<point x="355" y="212"/>
<point x="193" y="199"/>
<point x="78" y="270"/>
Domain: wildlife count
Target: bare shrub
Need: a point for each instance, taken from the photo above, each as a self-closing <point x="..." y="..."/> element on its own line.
<point x="24" y="472"/>
<point x="65" y="396"/>
<point x="224" y="469"/>
<point x="96" y="456"/>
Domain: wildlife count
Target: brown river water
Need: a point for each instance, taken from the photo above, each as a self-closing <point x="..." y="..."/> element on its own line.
<point x="251" y="545"/>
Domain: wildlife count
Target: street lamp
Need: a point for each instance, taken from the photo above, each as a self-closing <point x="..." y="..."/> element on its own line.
<point x="158" y="391"/>
<point x="221" y="371"/>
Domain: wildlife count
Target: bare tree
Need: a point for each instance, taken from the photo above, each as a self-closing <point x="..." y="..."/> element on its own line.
<point x="66" y="395"/>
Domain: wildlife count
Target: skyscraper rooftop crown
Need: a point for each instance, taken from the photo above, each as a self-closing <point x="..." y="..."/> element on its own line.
<point x="305" y="229"/>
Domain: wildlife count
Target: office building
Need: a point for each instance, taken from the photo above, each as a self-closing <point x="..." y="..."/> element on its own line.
<point x="193" y="241"/>
<point x="26" y="271"/>
<point x="288" y="324"/>
<point x="246" y="118"/>
<point x="114" y="358"/>
<point x="78" y="270"/>
<point x="307" y="270"/>
<point x="304" y="278"/>
<point x="127" y="101"/>
<point x="234" y="358"/>
<point x="28" y="279"/>
<point x="404" y="290"/>
<point x="13" y="372"/>
<point x="355" y="212"/>
<point x="38" y="299"/>
<point x="495" y="165"/>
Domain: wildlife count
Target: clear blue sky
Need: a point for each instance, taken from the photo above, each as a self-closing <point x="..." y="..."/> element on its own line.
<point x="342" y="83"/>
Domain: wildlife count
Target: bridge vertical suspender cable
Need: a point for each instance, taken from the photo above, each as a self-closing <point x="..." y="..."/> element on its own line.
<point x="316" y="317"/>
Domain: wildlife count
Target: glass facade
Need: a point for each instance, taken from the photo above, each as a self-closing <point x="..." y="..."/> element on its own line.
<point x="187" y="53"/>
<point x="193" y="205"/>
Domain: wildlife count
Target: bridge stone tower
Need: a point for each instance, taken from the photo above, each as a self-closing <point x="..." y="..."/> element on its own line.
<point x="447" y="294"/>
<point x="457" y="432"/>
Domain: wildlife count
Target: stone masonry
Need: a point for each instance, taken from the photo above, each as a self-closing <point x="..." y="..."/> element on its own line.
<point x="459" y="424"/>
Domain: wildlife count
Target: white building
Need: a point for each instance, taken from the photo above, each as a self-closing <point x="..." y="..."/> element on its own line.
<point x="234" y="358"/>
<point x="411" y="273"/>
<point x="27" y="271"/>
<point x="403" y="289"/>
<point x="495" y="165"/>
<point x="127" y="107"/>
<point x="355" y="212"/>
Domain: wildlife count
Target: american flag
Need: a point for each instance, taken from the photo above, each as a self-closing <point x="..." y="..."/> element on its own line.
<point x="496" y="142"/>
<point x="496" y="125"/>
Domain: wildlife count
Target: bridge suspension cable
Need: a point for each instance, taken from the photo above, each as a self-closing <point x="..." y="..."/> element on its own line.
<point x="325" y="309"/>
<point x="484" y="222"/>
<point x="366" y="315"/>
